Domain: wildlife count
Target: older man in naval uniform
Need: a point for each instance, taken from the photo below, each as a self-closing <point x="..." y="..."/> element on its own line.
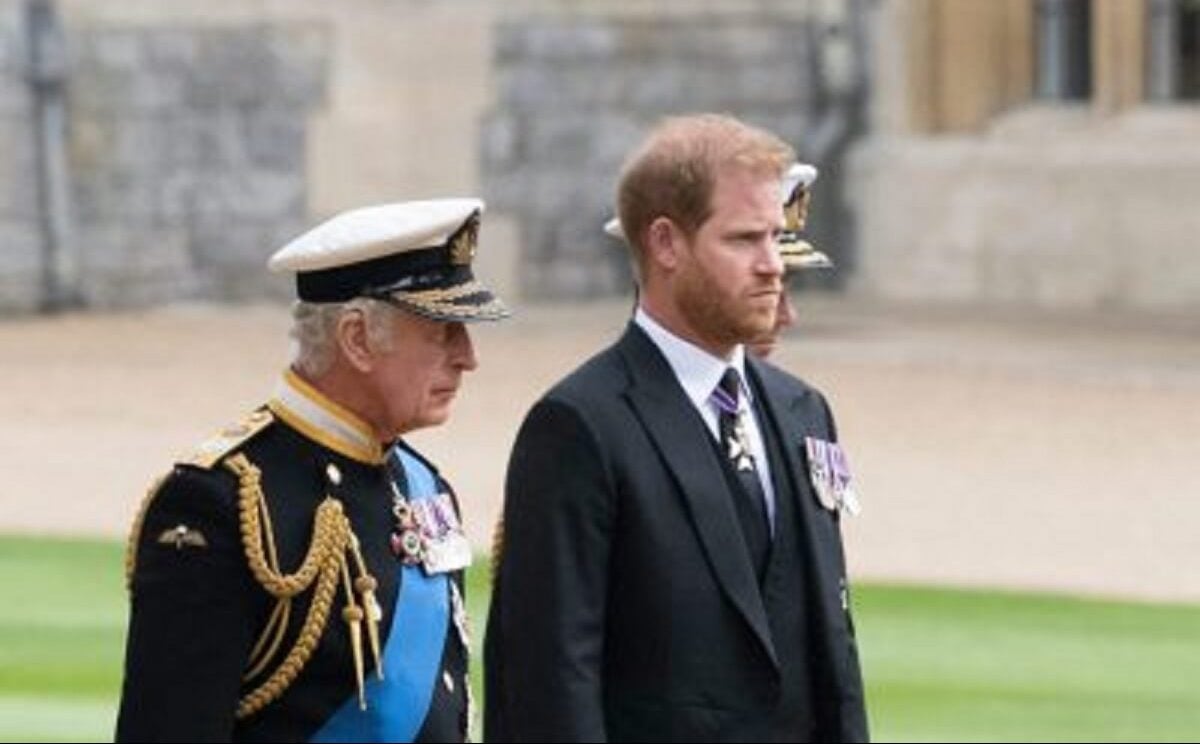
<point x="299" y="576"/>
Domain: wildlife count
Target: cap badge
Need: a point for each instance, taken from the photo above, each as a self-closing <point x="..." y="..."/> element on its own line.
<point x="464" y="242"/>
<point x="795" y="209"/>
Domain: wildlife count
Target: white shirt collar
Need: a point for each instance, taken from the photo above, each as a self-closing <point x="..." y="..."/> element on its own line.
<point x="308" y="411"/>
<point x="697" y="370"/>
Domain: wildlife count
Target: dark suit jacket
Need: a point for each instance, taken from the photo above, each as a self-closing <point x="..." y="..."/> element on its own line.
<point x="625" y="605"/>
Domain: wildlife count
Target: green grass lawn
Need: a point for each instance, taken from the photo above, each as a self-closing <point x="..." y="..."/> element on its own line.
<point x="945" y="665"/>
<point x="940" y="664"/>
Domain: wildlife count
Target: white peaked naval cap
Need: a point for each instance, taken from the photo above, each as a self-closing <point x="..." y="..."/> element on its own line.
<point x="798" y="253"/>
<point x="416" y="255"/>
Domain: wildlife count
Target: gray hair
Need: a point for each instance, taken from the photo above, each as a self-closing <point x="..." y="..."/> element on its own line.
<point x="314" y="331"/>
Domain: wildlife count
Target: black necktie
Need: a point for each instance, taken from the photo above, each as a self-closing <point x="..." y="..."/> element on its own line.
<point x="751" y="504"/>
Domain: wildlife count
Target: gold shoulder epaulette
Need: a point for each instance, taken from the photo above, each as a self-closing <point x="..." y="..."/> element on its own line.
<point x="228" y="439"/>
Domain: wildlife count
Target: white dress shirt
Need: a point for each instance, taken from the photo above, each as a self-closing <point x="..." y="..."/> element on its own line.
<point x="699" y="373"/>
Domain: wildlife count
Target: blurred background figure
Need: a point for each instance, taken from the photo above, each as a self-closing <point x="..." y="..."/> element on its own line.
<point x="798" y="254"/>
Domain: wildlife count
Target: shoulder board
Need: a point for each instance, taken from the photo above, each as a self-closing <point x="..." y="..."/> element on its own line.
<point x="228" y="439"/>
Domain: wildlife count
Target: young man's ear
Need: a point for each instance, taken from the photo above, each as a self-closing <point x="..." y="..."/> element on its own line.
<point x="353" y="341"/>
<point x="664" y="241"/>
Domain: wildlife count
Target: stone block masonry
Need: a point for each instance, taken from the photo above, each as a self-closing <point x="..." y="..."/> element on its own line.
<point x="187" y="154"/>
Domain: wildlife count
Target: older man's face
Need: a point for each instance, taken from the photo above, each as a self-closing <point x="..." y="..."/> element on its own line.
<point x="417" y="380"/>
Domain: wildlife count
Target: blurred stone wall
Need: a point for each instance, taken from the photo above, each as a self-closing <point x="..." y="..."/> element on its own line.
<point x="19" y="236"/>
<point x="186" y="152"/>
<point x="203" y="133"/>
<point x="188" y="155"/>
<point x="971" y="191"/>
<point x="575" y="91"/>
<point x="1051" y="209"/>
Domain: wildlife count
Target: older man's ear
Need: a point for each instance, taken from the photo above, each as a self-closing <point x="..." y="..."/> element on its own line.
<point x="354" y="341"/>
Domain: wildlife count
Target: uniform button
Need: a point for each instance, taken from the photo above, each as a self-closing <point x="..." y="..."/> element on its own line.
<point x="448" y="681"/>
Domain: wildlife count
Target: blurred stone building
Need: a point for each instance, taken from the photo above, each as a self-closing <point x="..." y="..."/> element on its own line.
<point x="579" y="83"/>
<point x="198" y="135"/>
<point x="1027" y="153"/>
<point x="1033" y="153"/>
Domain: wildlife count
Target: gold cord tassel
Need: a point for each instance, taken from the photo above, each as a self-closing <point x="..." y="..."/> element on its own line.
<point x="366" y="584"/>
<point x="497" y="546"/>
<point x="324" y="564"/>
<point x="353" y="615"/>
<point x="320" y="571"/>
<point x="272" y="634"/>
<point x="310" y="637"/>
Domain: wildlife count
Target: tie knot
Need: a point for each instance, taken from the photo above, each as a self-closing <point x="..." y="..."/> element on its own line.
<point x="731" y="382"/>
<point x="728" y="390"/>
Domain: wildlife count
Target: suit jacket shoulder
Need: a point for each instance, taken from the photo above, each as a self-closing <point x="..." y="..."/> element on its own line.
<point x="804" y="399"/>
<point x="595" y="381"/>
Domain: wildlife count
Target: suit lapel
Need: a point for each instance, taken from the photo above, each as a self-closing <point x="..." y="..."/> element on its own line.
<point x="783" y="405"/>
<point x="679" y="433"/>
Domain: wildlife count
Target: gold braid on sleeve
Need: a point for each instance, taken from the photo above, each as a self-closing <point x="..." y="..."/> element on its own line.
<point x="497" y="546"/>
<point x="135" y="532"/>
<point x="331" y="554"/>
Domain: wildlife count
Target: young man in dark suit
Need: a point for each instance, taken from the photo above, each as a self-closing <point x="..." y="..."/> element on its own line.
<point x="671" y="564"/>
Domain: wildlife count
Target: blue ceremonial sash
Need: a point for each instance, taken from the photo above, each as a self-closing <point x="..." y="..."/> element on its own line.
<point x="397" y="705"/>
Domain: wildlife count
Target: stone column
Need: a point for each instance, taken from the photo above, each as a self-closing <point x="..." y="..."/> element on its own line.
<point x="1162" y="52"/>
<point x="1118" y="53"/>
